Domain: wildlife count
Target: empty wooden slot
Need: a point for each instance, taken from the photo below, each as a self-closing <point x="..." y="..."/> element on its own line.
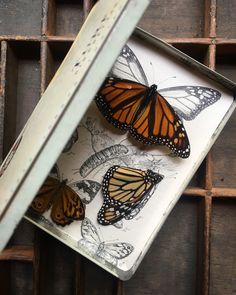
<point x="171" y="19"/>
<point x="196" y="51"/>
<point x="223" y="155"/>
<point x="22" y="87"/>
<point x="170" y="264"/>
<point x="57" y="267"/>
<point x="198" y="179"/>
<point x="223" y="237"/>
<point x="54" y="53"/>
<point x="64" y="17"/>
<point x="226" y="60"/>
<point x="17" y="15"/>
<point x="226" y="19"/>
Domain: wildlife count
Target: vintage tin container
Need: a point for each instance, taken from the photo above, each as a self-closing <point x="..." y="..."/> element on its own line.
<point x="206" y="103"/>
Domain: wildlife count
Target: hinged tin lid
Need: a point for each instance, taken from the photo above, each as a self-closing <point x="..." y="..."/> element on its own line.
<point x="62" y="106"/>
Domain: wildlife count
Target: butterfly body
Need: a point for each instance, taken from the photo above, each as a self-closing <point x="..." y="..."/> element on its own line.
<point x="66" y="204"/>
<point x="144" y="112"/>
<point x="124" y="189"/>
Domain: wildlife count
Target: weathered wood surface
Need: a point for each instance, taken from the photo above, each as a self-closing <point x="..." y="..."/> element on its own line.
<point x="195" y="250"/>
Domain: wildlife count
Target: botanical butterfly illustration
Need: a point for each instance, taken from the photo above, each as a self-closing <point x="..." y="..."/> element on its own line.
<point x="125" y="189"/>
<point x="10" y="155"/>
<point x="87" y="189"/>
<point x="149" y="115"/>
<point x="94" y="246"/>
<point x="66" y="203"/>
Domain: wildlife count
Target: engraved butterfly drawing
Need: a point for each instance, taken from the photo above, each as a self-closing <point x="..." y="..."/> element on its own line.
<point x="91" y="243"/>
<point x="151" y="116"/>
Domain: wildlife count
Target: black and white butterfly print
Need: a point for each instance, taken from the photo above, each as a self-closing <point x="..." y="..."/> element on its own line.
<point x="87" y="189"/>
<point x="91" y="243"/>
<point x="187" y="101"/>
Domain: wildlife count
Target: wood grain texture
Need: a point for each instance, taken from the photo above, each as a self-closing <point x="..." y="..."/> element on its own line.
<point x="167" y="19"/>
<point x="170" y="265"/>
<point x="223" y="245"/>
<point x="17" y="15"/>
<point x="226" y="18"/>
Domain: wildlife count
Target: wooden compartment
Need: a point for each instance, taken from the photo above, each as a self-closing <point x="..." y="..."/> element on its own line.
<point x="17" y="15"/>
<point x="196" y="51"/>
<point x="18" y="271"/>
<point x="226" y="18"/>
<point x="58" y="263"/>
<point x="53" y="54"/>
<point x="158" y="274"/>
<point x="223" y="152"/>
<point x="22" y="87"/>
<point x="223" y="244"/>
<point x="171" y="19"/>
<point x="226" y="60"/>
<point x="64" y="17"/>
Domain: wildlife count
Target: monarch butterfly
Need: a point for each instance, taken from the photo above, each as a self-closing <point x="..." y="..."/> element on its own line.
<point x="149" y="115"/>
<point x="124" y="189"/>
<point x="66" y="204"/>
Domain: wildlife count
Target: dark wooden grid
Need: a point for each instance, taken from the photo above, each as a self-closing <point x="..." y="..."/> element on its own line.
<point x="195" y="251"/>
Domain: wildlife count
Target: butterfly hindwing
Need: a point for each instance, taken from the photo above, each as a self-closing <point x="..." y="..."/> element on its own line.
<point x="123" y="189"/>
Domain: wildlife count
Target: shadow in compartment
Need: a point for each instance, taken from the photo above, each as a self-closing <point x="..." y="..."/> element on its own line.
<point x="65" y="17"/>
<point x="223" y="155"/>
<point x="165" y="19"/>
<point x="22" y="89"/>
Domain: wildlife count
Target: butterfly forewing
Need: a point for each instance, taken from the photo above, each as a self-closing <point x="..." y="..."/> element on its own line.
<point x="128" y="67"/>
<point x="46" y="194"/>
<point x="119" y="100"/>
<point x="189" y="101"/>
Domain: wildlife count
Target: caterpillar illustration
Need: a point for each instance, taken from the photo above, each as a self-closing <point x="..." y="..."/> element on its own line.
<point x="101" y="157"/>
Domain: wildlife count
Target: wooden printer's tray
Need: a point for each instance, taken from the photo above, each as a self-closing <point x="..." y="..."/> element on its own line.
<point x="195" y="250"/>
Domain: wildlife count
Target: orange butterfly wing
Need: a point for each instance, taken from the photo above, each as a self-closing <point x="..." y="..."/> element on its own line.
<point x="123" y="189"/>
<point x="45" y="196"/>
<point x="119" y="100"/>
<point x="158" y="123"/>
<point x="66" y="204"/>
<point x="144" y="112"/>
